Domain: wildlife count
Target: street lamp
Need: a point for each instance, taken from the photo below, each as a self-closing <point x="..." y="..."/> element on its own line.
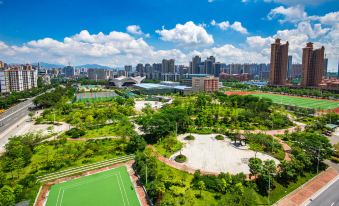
<point x="146" y="167"/>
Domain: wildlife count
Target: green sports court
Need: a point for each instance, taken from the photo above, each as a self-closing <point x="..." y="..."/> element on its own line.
<point x="109" y="188"/>
<point x="311" y="103"/>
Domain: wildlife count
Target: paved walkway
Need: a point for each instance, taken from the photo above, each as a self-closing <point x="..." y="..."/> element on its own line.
<point x="306" y="191"/>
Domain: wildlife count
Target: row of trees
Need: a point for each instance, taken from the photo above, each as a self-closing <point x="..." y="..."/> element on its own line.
<point x="301" y="92"/>
<point x="284" y="90"/>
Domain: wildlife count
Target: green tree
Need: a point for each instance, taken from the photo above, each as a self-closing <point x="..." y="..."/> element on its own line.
<point x="136" y="143"/>
<point x="7" y="197"/>
<point x="255" y="165"/>
<point x="201" y="186"/>
<point x="287" y="172"/>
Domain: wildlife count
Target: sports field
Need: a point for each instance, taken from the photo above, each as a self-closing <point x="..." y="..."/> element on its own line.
<point x="109" y="188"/>
<point x="321" y="104"/>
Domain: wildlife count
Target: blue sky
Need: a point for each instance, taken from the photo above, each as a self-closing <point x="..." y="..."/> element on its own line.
<point x="144" y="31"/>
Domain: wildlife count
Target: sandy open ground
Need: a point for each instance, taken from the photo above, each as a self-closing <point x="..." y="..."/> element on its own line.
<point x="141" y="104"/>
<point x="210" y="155"/>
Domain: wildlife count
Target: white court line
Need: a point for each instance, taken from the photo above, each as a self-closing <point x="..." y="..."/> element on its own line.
<point x="58" y="195"/>
<point x="79" y="184"/>
<point x="123" y="186"/>
<point x="123" y="199"/>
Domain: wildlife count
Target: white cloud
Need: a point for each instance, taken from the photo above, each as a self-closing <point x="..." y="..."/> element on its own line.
<point x="230" y="54"/>
<point x="291" y="14"/>
<point x="304" y="32"/>
<point x="119" y="48"/>
<point x="188" y="34"/>
<point x="291" y="2"/>
<point x="115" y="48"/>
<point x="238" y="27"/>
<point x="224" y="25"/>
<point x="134" y="29"/>
<point x="330" y="18"/>
<point x="258" y="41"/>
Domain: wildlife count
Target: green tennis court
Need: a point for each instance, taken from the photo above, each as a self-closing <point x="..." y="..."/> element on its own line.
<point x="109" y="188"/>
<point x="300" y="101"/>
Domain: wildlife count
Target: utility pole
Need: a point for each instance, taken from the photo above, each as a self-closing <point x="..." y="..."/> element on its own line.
<point x="146" y="172"/>
<point x="269" y="188"/>
<point x="146" y="168"/>
<point x="318" y="159"/>
<point x="53" y="117"/>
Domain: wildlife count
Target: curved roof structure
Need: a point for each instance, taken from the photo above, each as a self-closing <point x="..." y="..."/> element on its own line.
<point x="122" y="80"/>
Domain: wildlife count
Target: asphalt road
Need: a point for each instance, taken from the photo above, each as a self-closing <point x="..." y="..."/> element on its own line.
<point x="330" y="197"/>
<point x="12" y="115"/>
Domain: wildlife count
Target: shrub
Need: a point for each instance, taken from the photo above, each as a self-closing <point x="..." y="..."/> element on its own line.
<point x="75" y="133"/>
<point x="180" y="158"/>
<point x="190" y="137"/>
<point x="219" y="137"/>
<point x="334" y="159"/>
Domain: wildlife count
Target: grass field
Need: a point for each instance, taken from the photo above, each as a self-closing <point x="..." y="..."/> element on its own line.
<point x="112" y="187"/>
<point x="300" y="101"/>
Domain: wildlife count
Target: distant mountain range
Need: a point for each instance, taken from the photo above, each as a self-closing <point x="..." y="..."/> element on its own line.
<point x="50" y="66"/>
<point x="93" y="66"/>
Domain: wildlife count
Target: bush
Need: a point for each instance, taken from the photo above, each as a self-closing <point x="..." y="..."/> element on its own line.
<point x="219" y="137"/>
<point x="136" y="143"/>
<point x="190" y="137"/>
<point x="334" y="159"/>
<point x="75" y="133"/>
<point x="181" y="158"/>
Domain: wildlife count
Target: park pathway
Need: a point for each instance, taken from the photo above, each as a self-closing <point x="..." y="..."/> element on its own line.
<point x="303" y="194"/>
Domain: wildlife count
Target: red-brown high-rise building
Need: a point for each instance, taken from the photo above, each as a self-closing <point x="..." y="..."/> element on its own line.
<point x="279" y="62"/>
<point x="312" y="66"/>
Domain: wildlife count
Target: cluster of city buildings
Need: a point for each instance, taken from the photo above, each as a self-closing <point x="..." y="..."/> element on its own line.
<point x="17" y="78"/>
<point x="200" y="75"/>
<point x="313" y="69"/>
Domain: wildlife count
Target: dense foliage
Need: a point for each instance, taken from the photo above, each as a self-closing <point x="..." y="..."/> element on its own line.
<point x="309" y="149"/>
<point x="96" y="119"/>
<point x="26" y="158"/>
<point x="265" y="143"/>
<point x="211" y="113"/>
<point x="58" y="95"/>
<point x="168" y="186"/>
<point x="75" y="133"/>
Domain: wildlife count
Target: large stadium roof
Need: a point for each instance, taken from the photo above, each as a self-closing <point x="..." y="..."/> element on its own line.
<point x="159" y="86"/>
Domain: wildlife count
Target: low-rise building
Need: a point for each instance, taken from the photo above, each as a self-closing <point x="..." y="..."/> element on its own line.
<point x="205" y="84"/>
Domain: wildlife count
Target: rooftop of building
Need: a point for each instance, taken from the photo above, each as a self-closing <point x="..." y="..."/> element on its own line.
<point x="160" y="86"/>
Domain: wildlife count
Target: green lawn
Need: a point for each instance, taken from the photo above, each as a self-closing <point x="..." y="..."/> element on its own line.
<point x="300" y="101"/>
<point x="281" y="191"/>
<point x="113" y="187"/>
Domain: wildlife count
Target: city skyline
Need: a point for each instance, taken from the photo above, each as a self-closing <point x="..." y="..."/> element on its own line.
<point x="230" y="37"/>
